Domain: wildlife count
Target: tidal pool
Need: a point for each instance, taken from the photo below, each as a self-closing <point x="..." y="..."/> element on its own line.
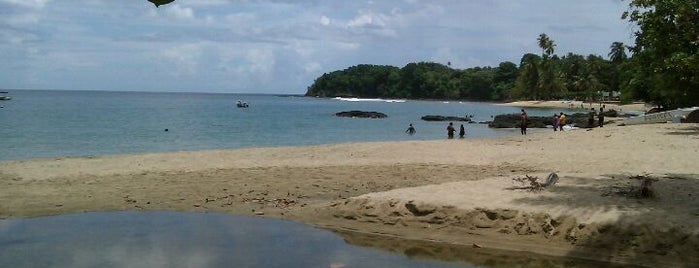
<point x="178" y="239"/>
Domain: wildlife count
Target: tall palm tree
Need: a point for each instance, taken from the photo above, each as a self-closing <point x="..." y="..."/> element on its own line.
<point x="546" y="44"/>
<point x="617" y="54"/>
<point x="548" y="83"/>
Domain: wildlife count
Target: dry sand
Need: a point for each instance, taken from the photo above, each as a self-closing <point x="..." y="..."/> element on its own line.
<point x="448" y="191"/>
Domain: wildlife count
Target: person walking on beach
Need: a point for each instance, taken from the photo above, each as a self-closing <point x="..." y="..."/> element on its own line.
<point x="555" y="122"/>
<point x="561" y="121"/>
<point x="450" y="130"/>
<point x="600" y="116"/>
<point x="591" y="118"/>
<point x="523" y="122"/>
<point x="462" y="131"/>
<point x="411" y="130"/>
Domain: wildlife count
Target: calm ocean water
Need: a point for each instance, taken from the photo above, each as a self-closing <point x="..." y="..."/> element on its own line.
<point x="38" y="124"/>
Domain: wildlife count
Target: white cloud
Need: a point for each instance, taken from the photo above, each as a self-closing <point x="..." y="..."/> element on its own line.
<point x="38" y="4"/>
<point x="24" y="18"/>
<point x="239" y="18"/>
<point x="312" y="67"/>
<point x="347" y="45"/>
<point x="203" y="3"/>
<point x="325" y="21"/>
<point x="180" y="12"/>
<point x="261" y="62"/>
<point x="22" y="12"/>
<point x="367" y="19"/>
<point x="183" y="59"/>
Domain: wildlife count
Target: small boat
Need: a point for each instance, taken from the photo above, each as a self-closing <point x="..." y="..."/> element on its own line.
<point x="674" y="116"/>
<point x="241" y="104"/>
<point x="4" y="97"/>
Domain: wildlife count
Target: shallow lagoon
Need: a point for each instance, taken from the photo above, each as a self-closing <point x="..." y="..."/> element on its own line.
<point x="174" y="239"/>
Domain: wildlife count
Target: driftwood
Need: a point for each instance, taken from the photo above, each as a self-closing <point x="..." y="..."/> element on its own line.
<point x="532" y="183"/>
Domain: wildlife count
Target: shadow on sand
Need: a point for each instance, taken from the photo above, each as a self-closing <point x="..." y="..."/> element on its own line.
<point x="655" y="231"/>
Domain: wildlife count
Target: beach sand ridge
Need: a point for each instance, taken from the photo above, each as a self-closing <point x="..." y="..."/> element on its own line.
<point x="450" y="191"/>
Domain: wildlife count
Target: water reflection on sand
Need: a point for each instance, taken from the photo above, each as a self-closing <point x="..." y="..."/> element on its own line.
<point x="173" y="239"/>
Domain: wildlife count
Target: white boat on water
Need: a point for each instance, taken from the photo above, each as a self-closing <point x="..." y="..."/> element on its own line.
<point x="4" y="97"/>
<point x="662" y="117"/>
<point x="241" y="104"/>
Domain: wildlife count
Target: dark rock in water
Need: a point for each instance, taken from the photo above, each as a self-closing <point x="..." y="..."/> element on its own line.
<point x="513" y="121"/>
<point x="610" y="113"/>
<point x="657" y="110"/>
<point x="361" y="114"/>
<point x="580" y="120"/>
<point x="445" y="118"/>
<point x="692" y="117"/>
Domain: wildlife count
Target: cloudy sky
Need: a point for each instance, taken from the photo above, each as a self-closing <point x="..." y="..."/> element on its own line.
<point x="278" y="46"/>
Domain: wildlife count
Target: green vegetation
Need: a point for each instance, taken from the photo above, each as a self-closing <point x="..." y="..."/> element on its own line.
<point x="536" y="77"/>
<point x="663" y="68"/>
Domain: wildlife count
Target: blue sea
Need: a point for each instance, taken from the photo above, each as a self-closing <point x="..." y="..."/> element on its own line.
<point x="60" y="123"/>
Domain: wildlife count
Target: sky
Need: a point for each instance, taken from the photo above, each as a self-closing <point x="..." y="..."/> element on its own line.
<point x="278" y="46"/>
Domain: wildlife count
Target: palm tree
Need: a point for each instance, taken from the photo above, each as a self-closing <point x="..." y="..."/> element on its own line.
<point x="617" y="54"/>
<point x="548" y="83"/>
<point x="546" y="44"/>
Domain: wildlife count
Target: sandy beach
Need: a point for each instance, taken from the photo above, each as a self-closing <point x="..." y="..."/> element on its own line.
<point x="623" y="108"/>
<point x="447" y="191"/>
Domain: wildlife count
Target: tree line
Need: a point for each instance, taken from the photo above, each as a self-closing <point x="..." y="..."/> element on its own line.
<point x="662" y="68"/>
<point x="545" y="76"/>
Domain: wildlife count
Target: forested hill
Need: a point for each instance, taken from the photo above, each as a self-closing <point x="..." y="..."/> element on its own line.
<point x="537" y="77"/>
<point x="424" y="80"/>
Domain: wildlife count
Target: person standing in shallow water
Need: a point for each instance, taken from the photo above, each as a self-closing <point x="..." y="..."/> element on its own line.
<point x="450" y="130"/>
<point x="411" y="130"/>
<point x="523" y="122"/>
<point x="462" y="131"/>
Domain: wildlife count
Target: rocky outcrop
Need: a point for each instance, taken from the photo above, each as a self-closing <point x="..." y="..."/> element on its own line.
<point x="692" y="117"/>
<point x="445" y="118"/>
<point x="580" y="120"/>
<point x="611" y="113"/>
<point x="361" y="114"/>
<point x="513" y="121"/>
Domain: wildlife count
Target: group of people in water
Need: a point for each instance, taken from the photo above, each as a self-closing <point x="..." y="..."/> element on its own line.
<point x="450" y="130"/>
